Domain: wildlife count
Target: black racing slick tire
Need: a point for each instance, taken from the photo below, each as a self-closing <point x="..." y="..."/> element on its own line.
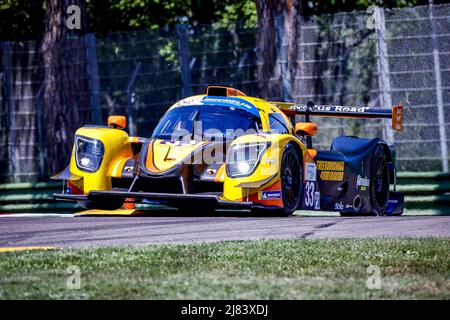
<point x="379" y="181"/>
<point x="291" y="180"/>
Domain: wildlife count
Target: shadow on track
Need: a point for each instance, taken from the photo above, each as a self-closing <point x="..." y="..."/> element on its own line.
<point x="172" y="212"/>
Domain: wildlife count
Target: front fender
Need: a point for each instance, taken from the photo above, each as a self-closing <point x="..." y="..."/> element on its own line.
<point x="267" y="173"/>
<point x="116" y="146"/>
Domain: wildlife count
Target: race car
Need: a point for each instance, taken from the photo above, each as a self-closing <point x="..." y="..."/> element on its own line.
<point x="224" y="149"/>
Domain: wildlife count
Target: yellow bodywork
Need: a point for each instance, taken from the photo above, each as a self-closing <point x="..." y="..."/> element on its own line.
<point x="165" y="155"/>
<point x="117" y="151"/>
<point x="267" y="173"/>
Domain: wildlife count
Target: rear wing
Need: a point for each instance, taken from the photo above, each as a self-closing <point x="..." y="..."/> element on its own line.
<point x="396" y="113"/>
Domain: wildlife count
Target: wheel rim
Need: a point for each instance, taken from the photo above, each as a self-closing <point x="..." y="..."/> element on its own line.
<point x="380" y="183"/>
<point x="290" y="176"/>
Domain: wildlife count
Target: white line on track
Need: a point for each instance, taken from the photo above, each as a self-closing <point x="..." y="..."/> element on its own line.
<point x="35" y="215"/>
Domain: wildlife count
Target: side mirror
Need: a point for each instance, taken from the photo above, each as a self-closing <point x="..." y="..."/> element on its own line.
<point x="306" y="128"/>
<point x="119" y="122"/>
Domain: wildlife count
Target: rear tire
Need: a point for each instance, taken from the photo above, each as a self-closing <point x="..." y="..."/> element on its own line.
<point x="379" y="181"/>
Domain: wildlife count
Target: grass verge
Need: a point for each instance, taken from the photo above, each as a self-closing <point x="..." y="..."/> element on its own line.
<point x="275" y="269"/>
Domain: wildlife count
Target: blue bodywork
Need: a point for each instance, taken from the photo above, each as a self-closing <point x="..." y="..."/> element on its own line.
<point x="350" y="192"/>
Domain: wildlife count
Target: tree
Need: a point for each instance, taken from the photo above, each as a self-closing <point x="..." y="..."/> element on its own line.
<point x="22" y="19"/>
<point x="268" y="11"/>
<point x="67" y="99"/>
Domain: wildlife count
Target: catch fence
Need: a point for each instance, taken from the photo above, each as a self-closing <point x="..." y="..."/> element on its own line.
<point x="377" y="58"/>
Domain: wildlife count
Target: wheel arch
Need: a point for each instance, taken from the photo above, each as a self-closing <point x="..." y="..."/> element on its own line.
<point x="298" y="149"/>
<point x="388" y="150"/>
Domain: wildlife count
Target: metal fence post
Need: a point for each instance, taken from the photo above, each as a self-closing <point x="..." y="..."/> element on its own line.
<point x="183" y="47"/>
<point x="282" y="60"/>
<point x="92" y="71"/>
<point x="384" y="81"/>
<point x="131" y="111"/>
<point x="439" y="98"/>
<point x="11" y="132"/>
<point x="40" y="127"/>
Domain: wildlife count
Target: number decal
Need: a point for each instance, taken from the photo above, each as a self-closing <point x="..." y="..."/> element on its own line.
<point x="317" y="200"/>
<point x="310" y="187"/>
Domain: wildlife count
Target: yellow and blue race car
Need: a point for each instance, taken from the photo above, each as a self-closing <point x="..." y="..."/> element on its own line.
<point x="224" y="149"/>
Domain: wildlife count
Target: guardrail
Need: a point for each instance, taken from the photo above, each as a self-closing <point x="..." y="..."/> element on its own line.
<point x="32" y="197"/>
<point x="425" y="193"/>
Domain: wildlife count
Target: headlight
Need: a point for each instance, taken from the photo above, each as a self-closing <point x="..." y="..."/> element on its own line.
<point x="242" y="159"/>
<point x="88" y="153"/>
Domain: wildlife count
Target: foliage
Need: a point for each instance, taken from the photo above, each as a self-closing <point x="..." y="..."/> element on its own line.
<point x="332" y="6"/>
<point x="22" y="19"/>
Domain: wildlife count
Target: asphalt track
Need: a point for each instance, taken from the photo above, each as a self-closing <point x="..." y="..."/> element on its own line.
<point x="76" y="231"/>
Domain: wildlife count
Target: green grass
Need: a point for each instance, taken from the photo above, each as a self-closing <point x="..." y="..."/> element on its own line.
<point x="275" y="269"/>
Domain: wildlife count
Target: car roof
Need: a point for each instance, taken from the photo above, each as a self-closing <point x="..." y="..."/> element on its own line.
<point x="258" y="107"/>
<point x="250" y="104"/>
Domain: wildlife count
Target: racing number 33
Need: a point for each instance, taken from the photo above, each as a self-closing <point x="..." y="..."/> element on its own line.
<point x="309" y="193"/>
<point x="312" y="198"/>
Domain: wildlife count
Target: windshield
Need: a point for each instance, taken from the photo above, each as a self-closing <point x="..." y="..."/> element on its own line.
<point x="203" y="122"/>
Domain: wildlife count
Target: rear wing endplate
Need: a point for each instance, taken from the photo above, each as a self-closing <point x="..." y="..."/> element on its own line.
<point x="395" y="114"/>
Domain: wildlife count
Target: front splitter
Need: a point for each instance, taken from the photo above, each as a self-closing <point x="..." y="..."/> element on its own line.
<point x="210" y="200"/>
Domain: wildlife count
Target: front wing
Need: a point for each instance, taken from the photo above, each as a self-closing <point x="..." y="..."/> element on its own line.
<point x="210" y="200"/>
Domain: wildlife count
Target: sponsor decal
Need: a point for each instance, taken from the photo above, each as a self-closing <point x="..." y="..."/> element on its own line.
<point x="331" y="108"/>
<point x="332" y="175"/>
<point x="310" y="171"/>
<point x="362" y="182"/>
<point x="330" y="165"/>
<point x="268" y="195"/>
<point x="331" y="170"/>
<point x="317" y="200"/>
<point x="350" y="109"/>
<point x="189" y="101"/>
<point x="231" y="102"/>
<point x="238" y="103"/>
<point x="339" y="206"/>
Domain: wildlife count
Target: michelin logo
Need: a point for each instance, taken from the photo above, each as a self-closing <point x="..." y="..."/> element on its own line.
<point x="230" y="101"/>
<point x="267" y="195"/>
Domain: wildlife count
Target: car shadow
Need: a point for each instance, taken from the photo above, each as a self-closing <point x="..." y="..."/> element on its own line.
<point x="172" y="212"/>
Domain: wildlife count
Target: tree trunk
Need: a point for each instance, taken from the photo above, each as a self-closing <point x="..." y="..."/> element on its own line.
<point x="267" y="53"/>
<point x="67" y="97"/>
